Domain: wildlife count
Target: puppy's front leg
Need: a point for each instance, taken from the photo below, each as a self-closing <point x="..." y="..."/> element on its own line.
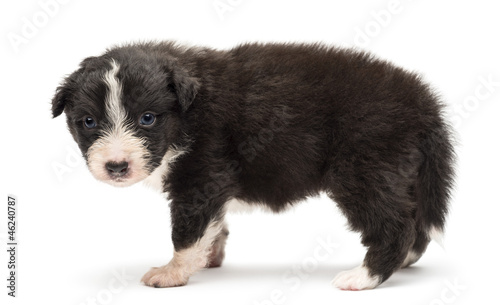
<point x="195" y="229"/>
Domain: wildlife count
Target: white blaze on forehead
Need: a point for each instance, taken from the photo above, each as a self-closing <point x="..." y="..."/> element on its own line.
<point x="114" y="108"/>
<point x="117" y="135"/>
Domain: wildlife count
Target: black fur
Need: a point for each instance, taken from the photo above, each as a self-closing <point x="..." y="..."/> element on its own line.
<point x="273" y="123"/>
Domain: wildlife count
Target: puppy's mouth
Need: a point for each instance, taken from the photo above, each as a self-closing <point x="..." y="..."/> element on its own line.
<point x="121" y="182"/>
<point x="118" y="173"/>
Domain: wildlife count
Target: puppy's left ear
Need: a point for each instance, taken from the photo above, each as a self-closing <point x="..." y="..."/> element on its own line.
<point x="67" y="87"/>
<point x="60" y="99"/>
<point x="185" y="86"/>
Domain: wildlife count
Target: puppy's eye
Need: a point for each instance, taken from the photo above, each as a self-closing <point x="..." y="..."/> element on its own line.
<point x="90" y="122"/>
<point x="147" y="119"/>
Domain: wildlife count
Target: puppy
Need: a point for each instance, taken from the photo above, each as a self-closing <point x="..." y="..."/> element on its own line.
<point x="266" y="125"/>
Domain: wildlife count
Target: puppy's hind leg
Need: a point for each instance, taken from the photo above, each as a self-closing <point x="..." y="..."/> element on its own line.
<point x="422" y="240"/>
<point x="217" y="252"/>
<point x="388" y="245"/>
<point x="387" y="228"/>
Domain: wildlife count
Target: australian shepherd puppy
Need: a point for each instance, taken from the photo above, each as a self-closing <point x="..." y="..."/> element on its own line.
<point x="266" y="125"/>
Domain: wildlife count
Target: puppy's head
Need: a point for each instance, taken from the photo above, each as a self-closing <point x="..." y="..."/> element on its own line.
<point x="124" y="110"/>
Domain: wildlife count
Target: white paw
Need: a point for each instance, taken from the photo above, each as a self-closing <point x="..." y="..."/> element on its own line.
<point x="356" y="279"/>
<point x="410" y="259"/>
<point x="165" y="276"/>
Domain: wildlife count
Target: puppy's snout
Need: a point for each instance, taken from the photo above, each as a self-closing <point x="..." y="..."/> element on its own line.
<point x="117" y="169"/>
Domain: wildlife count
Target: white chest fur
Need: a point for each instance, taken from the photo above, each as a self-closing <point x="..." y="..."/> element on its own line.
<point x="156" y="178"/>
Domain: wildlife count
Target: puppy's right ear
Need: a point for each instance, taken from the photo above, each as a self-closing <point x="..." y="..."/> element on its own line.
<point x="60" y="99"/>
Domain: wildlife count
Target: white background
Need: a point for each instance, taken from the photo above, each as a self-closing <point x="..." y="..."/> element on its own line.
<point x="76" y="233"/>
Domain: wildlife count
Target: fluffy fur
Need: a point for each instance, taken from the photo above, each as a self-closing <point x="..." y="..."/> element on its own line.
<point x="267" y="125"/>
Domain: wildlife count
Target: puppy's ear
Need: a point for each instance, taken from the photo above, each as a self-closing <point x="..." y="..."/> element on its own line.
<point x="60" y="99"/>
<point x="185" y="86"/>
<point x="90" y="63"/>
<point x="64" y="91"/>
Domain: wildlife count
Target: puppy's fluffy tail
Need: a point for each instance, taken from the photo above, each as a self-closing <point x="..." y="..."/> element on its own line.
<point x="435" y="182"/>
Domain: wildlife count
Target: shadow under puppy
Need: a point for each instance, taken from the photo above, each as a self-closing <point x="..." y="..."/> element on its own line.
<point x="266" y="125"/>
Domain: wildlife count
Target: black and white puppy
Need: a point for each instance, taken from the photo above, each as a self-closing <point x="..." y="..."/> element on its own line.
<point x="266" y="125"/>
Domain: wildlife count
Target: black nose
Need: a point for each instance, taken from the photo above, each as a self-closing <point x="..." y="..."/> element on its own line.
<point x="117" y="169"/>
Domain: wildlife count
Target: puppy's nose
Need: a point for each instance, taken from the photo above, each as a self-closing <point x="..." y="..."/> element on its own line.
<point x="117" y="169"/>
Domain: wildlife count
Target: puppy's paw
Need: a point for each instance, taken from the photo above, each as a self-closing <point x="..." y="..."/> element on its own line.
<point x="356" y="279"/>
<point x="216" y="255"/>
<point x="165" y="276"/>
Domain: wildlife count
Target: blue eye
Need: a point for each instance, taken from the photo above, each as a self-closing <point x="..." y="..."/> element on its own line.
<point x="90" y="122"/>
<point x="147" y="119"/>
